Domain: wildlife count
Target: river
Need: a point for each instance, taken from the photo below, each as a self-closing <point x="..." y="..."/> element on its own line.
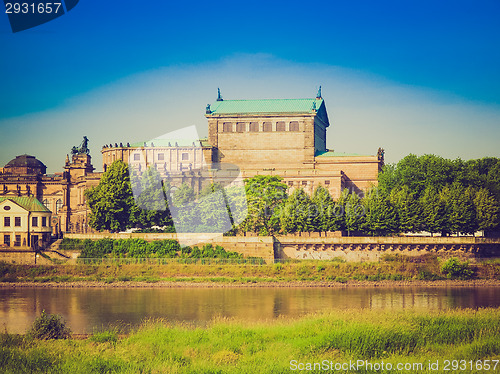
<point x="89" y="309"/>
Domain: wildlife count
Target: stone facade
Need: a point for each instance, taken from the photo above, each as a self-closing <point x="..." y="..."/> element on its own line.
<point x="286" y="138"/>
<point x="61" y="193"/>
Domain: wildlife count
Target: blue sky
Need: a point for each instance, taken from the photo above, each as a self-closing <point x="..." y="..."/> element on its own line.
<point x="409" y="76"/>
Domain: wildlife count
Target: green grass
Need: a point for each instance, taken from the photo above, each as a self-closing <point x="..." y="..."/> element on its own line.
<point x="228" y="346"/>
<point x="427" y="267"/>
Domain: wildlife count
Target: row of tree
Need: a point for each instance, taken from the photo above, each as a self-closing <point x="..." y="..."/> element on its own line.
<point x="450" y="209"/>
<point x="426" y="193"/>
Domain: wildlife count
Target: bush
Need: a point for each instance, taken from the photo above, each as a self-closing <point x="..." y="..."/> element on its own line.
<point x="49" y="326"/>
<point x="454" y="269"/>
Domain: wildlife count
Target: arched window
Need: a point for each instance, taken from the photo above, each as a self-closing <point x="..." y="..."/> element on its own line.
<point x="59" y="205"/>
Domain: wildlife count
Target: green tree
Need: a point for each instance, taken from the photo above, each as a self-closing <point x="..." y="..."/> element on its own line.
<point x="487" y="209"/>
<point x="433" y="211"/>
<point x="408" y="209"/>
<point x="327" y="220"/>
<point x="354" y="212"/>
<point x="151" y="196"/>
<point x="111" y="201"/>
<point x="299" y="214"/>
<point x="388" y="179"/>
<point x="184" y="195"/>
<point x="462" y="213"/>
<point x="266" y="196"/>
<point x="381" y="216"/>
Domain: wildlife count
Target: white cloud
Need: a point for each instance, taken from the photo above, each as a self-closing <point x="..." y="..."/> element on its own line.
<point x="365" y="111"/>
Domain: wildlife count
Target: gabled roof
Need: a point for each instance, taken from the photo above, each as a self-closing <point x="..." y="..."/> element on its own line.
<point x="266" y="106"/>
<point x="30" y="203"/>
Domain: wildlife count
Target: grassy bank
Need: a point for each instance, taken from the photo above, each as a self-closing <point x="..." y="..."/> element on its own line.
<point x="238" y="347"/>
<point x="424" y="268"/>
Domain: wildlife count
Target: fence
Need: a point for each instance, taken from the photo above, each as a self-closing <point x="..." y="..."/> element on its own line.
<point x="166" y="261"/>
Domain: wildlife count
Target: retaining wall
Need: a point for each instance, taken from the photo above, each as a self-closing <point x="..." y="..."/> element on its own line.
<point x="372" y="248"/>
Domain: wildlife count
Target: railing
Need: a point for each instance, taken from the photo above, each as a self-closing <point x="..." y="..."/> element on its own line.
<point x="166" y="261"/>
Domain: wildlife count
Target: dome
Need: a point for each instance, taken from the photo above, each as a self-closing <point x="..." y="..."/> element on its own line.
<point x="25" y="164"/>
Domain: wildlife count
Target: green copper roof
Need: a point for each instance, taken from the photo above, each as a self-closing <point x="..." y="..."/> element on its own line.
<point x="29" y="203"/>
<point x="337" y="154"/>
<point x="266" y="106"/>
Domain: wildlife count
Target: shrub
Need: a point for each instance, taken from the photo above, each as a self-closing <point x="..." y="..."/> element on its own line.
<point x="49" y="326"/>
<point x="454" y="269"/>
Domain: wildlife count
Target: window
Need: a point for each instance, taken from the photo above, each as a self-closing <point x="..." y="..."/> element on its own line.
<point x="304" y="183"/>
<point x="267" y="127"/>
<point x="45" y="202"/>
<point x="34" y="221"/>
<point x="137" y="156"/>
<point x="6" y="207"/>
<point x="294" y="126"/>
<point x="17" y="221"/>
<point x="185" y="156"/>
<point x="327" y="182"/>
<point x="227" y="127"/>
<point x="6" y="240"/>
<point x="17" y="242"/>
<point x="280" y="126"/>
<point x="44" y="221"/>
<point x="254" y="127"/>
<point x="161" y="157"/>
<point x="290" y="183"/>
<point x="240" y="127"/>
<point x="6" y="221"/>
<point x="59" y="205"/>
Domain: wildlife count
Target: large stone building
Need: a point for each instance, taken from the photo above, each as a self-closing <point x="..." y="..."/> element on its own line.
<point x="284" y="137"/>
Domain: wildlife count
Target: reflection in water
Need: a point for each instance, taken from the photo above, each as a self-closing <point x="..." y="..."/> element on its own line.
<point x="88" y="308"/>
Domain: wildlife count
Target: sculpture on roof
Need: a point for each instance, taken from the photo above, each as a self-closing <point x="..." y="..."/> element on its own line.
<point x="380" y="155"/>
<point x="83" y="149"/>
<point x="219" y="97"/>
<point x="318" y="95"/>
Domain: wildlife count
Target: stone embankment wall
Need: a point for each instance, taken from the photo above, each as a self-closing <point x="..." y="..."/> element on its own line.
<point x="303" y="246"/>
<point x="372" y="248"/>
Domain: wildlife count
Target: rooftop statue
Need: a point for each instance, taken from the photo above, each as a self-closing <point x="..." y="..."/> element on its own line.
<point x="83" y="149"/>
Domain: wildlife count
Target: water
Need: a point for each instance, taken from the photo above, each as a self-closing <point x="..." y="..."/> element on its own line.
<point x="87" y="309"/>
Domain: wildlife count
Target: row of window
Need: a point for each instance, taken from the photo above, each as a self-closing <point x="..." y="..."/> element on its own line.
<point x="161" y="156"/>
<point x="17" y="221"/>
<point x="255" y="126"/>
<point x="304" y="183"/>
<point x="17" y="241"/>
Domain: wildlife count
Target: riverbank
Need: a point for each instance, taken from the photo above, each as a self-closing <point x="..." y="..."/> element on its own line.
<point x="413" y="339"/>
<point x="395" y="271"/>
<point x="182" y="283"/>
